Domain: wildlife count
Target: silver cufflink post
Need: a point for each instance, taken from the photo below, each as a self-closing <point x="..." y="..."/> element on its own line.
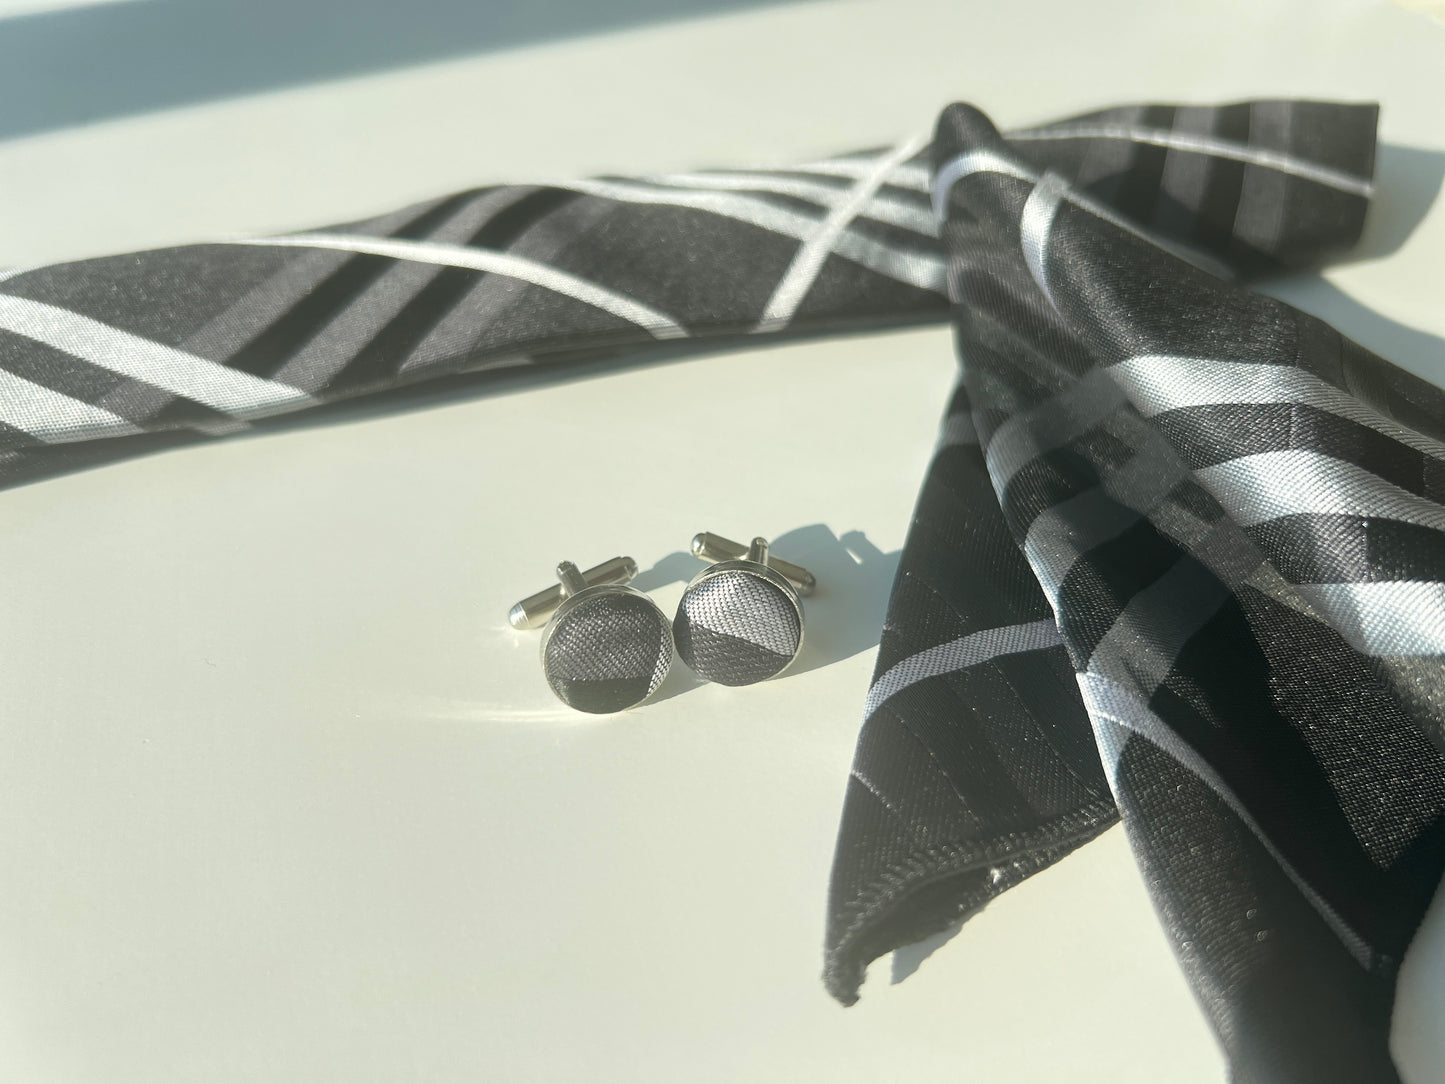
<point x="741" y="621"/>
<point x="607" y="646"/>
<point x="716" y="548"/>
<point x="534" y="610"/>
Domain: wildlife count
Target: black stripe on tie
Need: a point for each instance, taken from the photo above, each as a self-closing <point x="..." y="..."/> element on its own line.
<point x="1318" y="548"/>
<point x="268" y="351"/>
<point x="1214" y="226"/>
<point x="42" y="364"/>
<point x="1309" y="774"/>
<point x="1103" y="581"/>
<point x="1138" y="191"/>
<point x="390" y="346"/>
<point x="1207" y="435"/>
<point x="12" y="439"/>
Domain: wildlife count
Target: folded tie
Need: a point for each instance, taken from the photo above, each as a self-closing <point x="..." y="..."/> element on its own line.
<point x="1178" y="556"/>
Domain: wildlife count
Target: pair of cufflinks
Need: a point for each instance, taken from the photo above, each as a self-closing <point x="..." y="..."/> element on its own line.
<point x="607" y="646"/>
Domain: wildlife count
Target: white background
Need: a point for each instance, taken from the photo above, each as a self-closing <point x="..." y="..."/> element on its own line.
<point x="284" y="799"/>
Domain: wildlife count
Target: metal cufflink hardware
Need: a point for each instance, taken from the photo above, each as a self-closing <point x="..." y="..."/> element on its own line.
<point x="607" y="646"/>
<point x="741" y="620"/>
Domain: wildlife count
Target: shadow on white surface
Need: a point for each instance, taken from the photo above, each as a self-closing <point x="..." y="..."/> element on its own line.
<point x="1417" y="1037"/>
<point x="1407" y="183"/>
<point x="855" y="579"/>
<point x="96" y="62"/>
<point x="908" y="959"/>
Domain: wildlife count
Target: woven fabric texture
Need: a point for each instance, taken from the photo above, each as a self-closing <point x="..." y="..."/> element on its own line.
<point x="737" y="628"/>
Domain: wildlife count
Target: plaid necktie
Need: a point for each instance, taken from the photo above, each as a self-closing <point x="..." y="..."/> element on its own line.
<point x="1177" y="558"/>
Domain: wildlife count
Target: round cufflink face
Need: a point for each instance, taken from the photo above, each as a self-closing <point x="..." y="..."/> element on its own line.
<point x="738" y="624"/>
<point x="606" y="650"/>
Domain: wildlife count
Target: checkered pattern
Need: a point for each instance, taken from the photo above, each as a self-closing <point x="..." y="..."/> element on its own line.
<point x="1178" y="558"/>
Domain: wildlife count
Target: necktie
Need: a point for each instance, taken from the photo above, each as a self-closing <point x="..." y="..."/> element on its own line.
<point x="1177" y="558"/>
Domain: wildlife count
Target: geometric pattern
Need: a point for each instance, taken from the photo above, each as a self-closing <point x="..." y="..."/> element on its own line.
<point x="1180" y="559"/>
<point x="735" y="628"/>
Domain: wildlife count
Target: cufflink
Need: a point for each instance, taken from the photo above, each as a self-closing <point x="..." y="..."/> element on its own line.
<point x="741" y="620"/>
<point x="607" y="646"/>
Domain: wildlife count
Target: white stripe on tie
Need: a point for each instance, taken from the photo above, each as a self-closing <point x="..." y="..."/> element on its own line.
<point x="966" y="651"/>
<point x="196" y="378"/>
<point x="54" y="417"/>
<point x="1213" y="146"/>
<point x="551" y="278"/>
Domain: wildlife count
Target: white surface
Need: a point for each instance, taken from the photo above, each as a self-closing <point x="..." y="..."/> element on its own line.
<point x="284" y="797"/>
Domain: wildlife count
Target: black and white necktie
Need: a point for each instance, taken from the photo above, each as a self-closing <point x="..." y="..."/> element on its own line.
<point x="1179" y="556"/>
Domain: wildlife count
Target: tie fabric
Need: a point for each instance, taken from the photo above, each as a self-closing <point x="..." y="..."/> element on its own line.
<point x="131" y="354"/>
<point x="1178" y="559"/>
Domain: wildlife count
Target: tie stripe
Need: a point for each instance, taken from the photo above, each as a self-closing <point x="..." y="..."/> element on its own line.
<point x="230" y="390"/>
